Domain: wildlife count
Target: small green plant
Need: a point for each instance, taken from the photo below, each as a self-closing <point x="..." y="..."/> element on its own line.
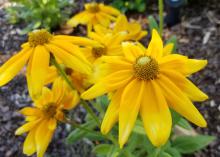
<point x="130" y="5"/>
<point x="36" y="14"/>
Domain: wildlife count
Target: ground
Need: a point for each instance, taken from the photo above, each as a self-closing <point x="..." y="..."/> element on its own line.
<point x="198" y="37"/>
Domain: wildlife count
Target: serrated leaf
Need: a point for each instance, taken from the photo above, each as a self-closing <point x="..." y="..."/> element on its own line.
<point x="153" y="24"/>
<point x="190" y="144"/>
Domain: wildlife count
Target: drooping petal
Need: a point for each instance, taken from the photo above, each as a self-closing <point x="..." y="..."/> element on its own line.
<point x="179" y="102"/>
<point x="76" y="40"/>
<point x="58" y="90"/>
<point x="52" y="74"/>
<point x="9" y="69"/>
<point x="38" y="70"/>
<point x="70" y="100"/>
<point x="75" y="20"/>
<point x="69" y="60"/>
<point x="111" y="115"/>
<point x="72" y="49"/>
<point x="155" y="114"/>
<point x="155" y="47"/>
<point x="110" y="83"/>
<point x="29" y="147"/>
<point x="43" y="137"/>
<point x="186" y="86"/>
<point x="129" y="109"/>
<point x="26" y="127"/>
<point x="52" y="124"/>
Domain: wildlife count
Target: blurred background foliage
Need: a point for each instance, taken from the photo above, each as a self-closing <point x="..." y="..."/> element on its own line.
<point x="35" y="14"/>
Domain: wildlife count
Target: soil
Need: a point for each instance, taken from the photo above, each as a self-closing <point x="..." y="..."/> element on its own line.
<point x="198" y="37"/>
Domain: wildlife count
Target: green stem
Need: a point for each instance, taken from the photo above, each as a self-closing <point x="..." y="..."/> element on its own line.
<point x="75" y="125"/>
<point x="161" y="16"/>
<point x="89" y="110"/>
<point x="83" y="102"/>
<point x="65" y="77"/>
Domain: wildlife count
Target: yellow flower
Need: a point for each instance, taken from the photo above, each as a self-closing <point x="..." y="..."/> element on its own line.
<point x="36" y="52"/>
<point x="110" y="45"/>
<point x="94" y="13"/>
<point x="148" y="82"/>
<point x="41" y="120"/>
<point x="133" y="29"/>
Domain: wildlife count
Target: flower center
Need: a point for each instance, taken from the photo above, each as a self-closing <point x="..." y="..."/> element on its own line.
<point x="146" y="68"/>
<point x="50" y="110"/>
<point x="93" y="8"/>
<point x="39" y="37"/>
<point x="98" y="51"/>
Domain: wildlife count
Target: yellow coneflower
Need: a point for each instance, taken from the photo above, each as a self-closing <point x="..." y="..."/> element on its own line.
<point x="148" y="82"/>
<point x="41" y="44"/>
<point x="41" y="120"/>
<point x="133" y="29"/>
<point x="110" y="45"/>
<point x="94" y="13"/>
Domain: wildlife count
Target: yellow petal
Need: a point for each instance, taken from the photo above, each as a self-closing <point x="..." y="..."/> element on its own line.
<point x="109" y="10"/>
<point x="194" y="93"/>
<point x="129" y="109"/>
<point x="179" y="101"/>
<point x="168" y="49"/>
<point x="110" y="83"/>
<point x="9" y="69"/>
<point x="121" y="24"/>
<point x="81" y="41"/>
<point x="26" y="127"/>
<point x="58" y="90"/>
<point x="38" y="70"/>
<point x="111" y="115"/>
<point x="155" y="47"/>
<point x="52" y="124"/>
<point x="70" y="100"/>
<point x="102" y="19"/>
<point x="69" y="60"/>
<point x="194" y="65"/>
<point x="30" y="111"/>
<point x="52" y="74"/>
<point x="29" y="147"/>
<point x="155" y="114"/>
<point x="131" y="51"/>
<point x="72" y="49"/>
<point x="43" y="137"/>
<point x="77" y="19"/>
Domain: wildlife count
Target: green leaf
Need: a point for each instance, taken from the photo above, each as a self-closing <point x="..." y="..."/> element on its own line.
<point x="78" y="134"/>
<point x="165" y="154"/>
<point x="173" y="152"/>
<point x="184" y="124"/>
<point x="102" y="149"/>
<point x="173" y="40"/>
<point x="153" y="24"/>
<point x="138" y="128"/>
<point x="190" y="144"/>
<point x="175" y="117"/>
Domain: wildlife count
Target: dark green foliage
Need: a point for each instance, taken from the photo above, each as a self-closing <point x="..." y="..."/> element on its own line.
<point x="37" y="14"/>
<point x="130" y="5"/>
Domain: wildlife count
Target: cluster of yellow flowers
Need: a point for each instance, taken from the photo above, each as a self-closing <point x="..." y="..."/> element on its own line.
<point x="110" y="61"/>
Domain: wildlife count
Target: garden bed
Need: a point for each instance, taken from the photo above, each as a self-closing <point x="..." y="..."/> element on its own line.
<point x="199" y="37"/>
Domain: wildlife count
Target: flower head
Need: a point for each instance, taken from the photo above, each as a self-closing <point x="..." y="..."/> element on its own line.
<point x="37" y="52"/>
<point x="95" y="13"/>
<point x="41" y="120"/>
<point x="148" y="82"/>
<point x="110" y="45"/>
<point x="133" y="29"/>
